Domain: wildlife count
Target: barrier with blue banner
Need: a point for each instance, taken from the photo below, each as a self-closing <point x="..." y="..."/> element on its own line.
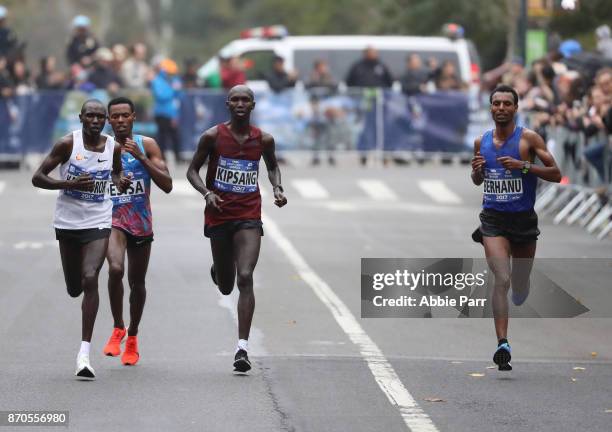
<point x="308" y="120"/>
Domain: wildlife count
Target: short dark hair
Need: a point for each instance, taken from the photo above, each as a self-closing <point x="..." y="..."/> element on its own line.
<point x="504" y="89"/>
<point x="91" y="102"/>
<point x="120" y="101"/>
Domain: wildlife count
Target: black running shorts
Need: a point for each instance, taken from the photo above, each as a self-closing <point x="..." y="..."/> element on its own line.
<point x="228" y="229"/>
<point x="82" y="236"/>
<point x="517" y="227"/>
<point x="133" y="240"/>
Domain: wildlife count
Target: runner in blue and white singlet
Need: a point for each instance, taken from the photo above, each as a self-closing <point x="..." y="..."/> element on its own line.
<point x="132" y="231"/>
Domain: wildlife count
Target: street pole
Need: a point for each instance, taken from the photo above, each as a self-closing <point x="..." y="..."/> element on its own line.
<point x="522" y="31"/>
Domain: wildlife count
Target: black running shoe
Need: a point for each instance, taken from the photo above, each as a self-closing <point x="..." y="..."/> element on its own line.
<point x="241" y="361"/>
<point x="502" y="357"/>
<point x="213" y="275"/>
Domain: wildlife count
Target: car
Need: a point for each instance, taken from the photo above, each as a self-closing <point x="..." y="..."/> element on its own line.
<point x="258" y="47"/>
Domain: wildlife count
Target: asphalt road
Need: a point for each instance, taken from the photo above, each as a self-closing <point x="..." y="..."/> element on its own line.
<point x="318" y="366"/>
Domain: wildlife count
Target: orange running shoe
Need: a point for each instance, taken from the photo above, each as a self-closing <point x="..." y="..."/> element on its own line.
<point x="113" y="346"/>
<point x="130" y="355"/>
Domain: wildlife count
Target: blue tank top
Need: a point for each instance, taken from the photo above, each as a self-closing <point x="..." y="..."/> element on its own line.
<point x="506" y="190"/>
<point x="132" y="209"/>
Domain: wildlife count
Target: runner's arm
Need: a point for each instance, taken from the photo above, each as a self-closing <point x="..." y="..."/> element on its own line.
<point x="550" y="171"/>
<point x="155" y="165"/>
<point x="121" y="182"/>
<point x="274" y="174"/>
<point x="477" y="163"/>
<point x="59" y="154"/>
<point x="204" y="150"/>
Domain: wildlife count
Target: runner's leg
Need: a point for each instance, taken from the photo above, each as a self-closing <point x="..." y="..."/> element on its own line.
<point x="497" y="251"/>
<point x="138" y="263"/>
<point x="70" y="252"/>
<point x="93" y="254"/>
<point x="247" y="243"/>
<point x="223" y="260"/>
<point x="116" y="258"/>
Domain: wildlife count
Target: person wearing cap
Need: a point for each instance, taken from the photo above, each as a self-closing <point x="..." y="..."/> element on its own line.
<point x="8" y="40"/>
<point x="166" y="89"/>
<point x="83" y="43"/>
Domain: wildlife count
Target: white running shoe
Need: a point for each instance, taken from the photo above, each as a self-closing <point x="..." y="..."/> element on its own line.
<point x="84" y="370"/>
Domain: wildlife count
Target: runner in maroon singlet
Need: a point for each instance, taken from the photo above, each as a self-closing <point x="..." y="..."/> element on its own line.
<point x="232" y="218"/>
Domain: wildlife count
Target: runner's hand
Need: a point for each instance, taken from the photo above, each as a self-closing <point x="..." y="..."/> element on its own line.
<point x="510" y="163"/>
<point x="124" y="183"/>
<point x="132" y="148"/>
<point x="214" y="200"/>
<point x="279" y="198"/>
<point x="478" y="162"/>
<point x="84" y="182"/>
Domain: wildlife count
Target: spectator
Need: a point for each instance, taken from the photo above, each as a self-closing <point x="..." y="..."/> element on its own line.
<point x="135" y="70"/>
<point x="83" y="43"/>
<point x="49" y="78"/>
<point x="595" y="129"/>
<point x="321" y="78"/>
<point x="369" y="71"/>
<point x="8" y="40"/>
<point x="21" y="78"/>
<point x="232" y="72"/>
<point x="604" y="42"/>
<point x="190" y="77"/>
<point x="447" y="77"/>
<point x="279" y="79"/>
<point x="414" y="80"/>
<point x="120" y="54"/>
<point x="102" y="75"/>
<point x="166" y="89"/>
<point x="6" y="83"/>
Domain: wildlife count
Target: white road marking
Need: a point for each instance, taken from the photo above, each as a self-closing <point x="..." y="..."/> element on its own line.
<point x="377" y="189"/>
<point x="310" y="189"/>
<point x="414" y="417"/>
<point x="439" y="192"/>
<point x="2" y="186"/>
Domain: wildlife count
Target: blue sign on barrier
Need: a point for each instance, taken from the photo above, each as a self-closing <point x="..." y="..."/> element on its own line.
<point x="356" y="120"/>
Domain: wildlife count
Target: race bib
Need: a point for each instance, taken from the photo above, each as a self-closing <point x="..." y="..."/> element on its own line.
<point x="135" y="193"/>
<point x="502" y="185"/>
<point x="100" y="184"/>
<point x="236" y="175"/>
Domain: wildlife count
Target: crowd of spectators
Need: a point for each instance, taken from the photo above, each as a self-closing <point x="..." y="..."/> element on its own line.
<point x="567" y="97"/>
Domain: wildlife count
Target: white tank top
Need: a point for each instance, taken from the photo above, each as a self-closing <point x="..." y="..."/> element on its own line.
<point x="76" y="209"/>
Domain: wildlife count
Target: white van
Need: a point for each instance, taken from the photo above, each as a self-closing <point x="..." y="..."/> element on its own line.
<point x="258" y="48"/>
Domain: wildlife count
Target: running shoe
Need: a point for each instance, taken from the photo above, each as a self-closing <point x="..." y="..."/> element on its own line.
<point x="502" y="357"/>
<point x="241" y="361"/>
<point x="83" y="369"/>
<point x="519" y="298"/>
<point x="113" y="346"/>
<point x="130" y="355"/>
<point x="213" y="275"/>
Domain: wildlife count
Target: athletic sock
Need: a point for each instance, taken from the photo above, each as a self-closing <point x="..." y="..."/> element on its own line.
<point x="84" y="348"/>
<point x="502" y="341"/>
<point x="243" y="344"/>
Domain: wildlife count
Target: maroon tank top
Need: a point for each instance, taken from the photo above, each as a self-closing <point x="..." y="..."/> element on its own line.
<point x="232" y="175"/>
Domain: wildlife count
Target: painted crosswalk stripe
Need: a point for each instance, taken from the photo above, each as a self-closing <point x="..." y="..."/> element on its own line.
<point x="310" y="189"/>
<point x="439" y="192"/>
<point x="2" y="186"/>
<point x="377" y="189"/>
